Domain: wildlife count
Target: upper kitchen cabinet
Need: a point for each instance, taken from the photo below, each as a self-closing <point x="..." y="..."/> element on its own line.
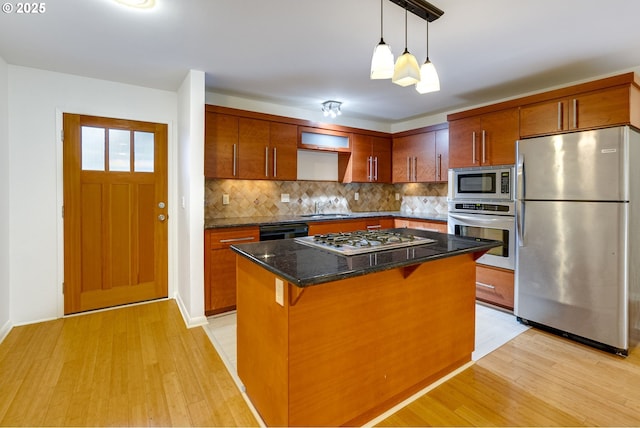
<point x="483" y="139"/>
<point x="370" y="160"/>
<point x="421" y="157"/>
<point x="596" y="109"/>
<point x="249" y="148"/>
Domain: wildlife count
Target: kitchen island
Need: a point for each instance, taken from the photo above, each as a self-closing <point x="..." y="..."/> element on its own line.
<point x="328" y="340"/>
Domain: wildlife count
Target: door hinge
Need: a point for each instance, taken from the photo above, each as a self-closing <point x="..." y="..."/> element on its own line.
<point x="63" y="287"/>
<point x="62" y="135"/>
<point x="63" y="211"/>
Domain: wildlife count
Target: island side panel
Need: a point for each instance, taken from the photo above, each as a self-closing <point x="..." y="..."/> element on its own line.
<point x="262" y="340"/>
<point x="361" y="345"/>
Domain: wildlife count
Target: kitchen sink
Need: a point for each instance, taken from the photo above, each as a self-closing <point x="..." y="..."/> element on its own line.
<point x="325" y="215"/>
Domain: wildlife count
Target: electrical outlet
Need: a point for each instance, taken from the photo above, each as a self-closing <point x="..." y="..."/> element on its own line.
<point x="225" y="199"/>
<point x="279" y="292"/>
<point x="397" y="196"/>
<point x="284" y="197"/>
<point x="356" y="196"/>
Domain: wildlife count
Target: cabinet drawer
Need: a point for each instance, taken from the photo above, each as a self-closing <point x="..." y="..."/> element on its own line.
<point x="495" y="286"/>
<point x="223" y="238"/>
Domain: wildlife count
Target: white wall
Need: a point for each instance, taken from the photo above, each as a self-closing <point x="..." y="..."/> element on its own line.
<point x="5" y="321"/>
<point x="191" y="195"/>
<point x="37" y="99"/>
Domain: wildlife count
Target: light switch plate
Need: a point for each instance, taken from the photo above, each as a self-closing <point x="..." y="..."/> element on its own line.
<point x="397" y="196"/>
<point x="356" y="196"/>
<point x="284" y="197"/>
<point x="225" y="199"/>
<point x="279" y="292"/>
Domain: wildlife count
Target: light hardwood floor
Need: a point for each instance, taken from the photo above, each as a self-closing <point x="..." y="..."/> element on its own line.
<point x="140" y="366"/>
<point x="132" y="366"/>
<point x="536" y="379"/>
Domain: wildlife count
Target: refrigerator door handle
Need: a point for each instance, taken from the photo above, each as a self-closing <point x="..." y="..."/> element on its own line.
<point x="520" y="222"/>
<point x="520" y="189"/>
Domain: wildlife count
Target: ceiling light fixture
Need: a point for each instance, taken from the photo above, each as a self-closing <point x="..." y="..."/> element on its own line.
<point x="382" y="60"/>
<point x="429" y="81"/>
<point x="331" y="108"/>
<point x="406" y="70"/>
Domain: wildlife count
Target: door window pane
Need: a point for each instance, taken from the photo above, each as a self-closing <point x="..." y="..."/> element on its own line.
<point x="92" y="148"/>
<point x="119" y="150"/>
<point x="143" y="151"/>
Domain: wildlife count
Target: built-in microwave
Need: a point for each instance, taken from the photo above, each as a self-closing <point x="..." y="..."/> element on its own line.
<point x="481" y="183"/>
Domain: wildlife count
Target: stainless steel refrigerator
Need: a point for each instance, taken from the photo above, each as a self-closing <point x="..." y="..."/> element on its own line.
<point x="578" y="226"/>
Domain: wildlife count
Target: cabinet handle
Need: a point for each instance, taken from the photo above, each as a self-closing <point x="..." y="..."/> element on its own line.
<point x="473" y="147"/>
<point x="559" y="115"/>
<point x="575" y="112"/>
<point x="484" y="152"/>
<point x="275" y="162"/>
<point x="415" y="168"/>
<point x="377" y="226"/>
<point x="439" y="168"/>
<point x="235" y="157"/>
<point x="482" y="284"/>
<point x="409" y="168"/>
<point x="375" y="174"/>
<point x="266" y="161"/>
<point x="248" y="238"/>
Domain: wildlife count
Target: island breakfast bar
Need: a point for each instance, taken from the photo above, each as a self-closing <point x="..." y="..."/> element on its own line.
<point x="329" y="340"/>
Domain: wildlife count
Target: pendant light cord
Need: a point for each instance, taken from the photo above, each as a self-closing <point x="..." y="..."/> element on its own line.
<point x="405" y="30"/>
<point x="381" y="18"/>
<point x="427" y="39"/>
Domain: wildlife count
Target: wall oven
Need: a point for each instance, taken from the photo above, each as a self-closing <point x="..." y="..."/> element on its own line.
<point x="481" y="206"/>
<point x="481" y="220"/>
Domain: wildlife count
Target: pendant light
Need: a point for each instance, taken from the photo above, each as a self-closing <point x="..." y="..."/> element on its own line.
<point x="429" y="81"/>
<point x="406" y="71"/>
<point x="382" y="60"/>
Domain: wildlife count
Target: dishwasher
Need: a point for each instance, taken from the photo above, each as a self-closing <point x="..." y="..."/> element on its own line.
<point x="271" y="232"/>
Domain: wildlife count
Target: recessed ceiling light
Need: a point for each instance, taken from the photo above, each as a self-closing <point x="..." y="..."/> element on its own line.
<point x="139" y="4"/>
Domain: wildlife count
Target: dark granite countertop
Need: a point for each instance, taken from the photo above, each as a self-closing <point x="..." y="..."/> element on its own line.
<point x="304" y="266"/>
<point x="284" y="219"/>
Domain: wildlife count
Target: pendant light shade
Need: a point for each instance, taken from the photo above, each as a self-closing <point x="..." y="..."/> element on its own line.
<point x="406" y="71"/>
<point x="382" y="60"/>
<point x="429" y="81"/>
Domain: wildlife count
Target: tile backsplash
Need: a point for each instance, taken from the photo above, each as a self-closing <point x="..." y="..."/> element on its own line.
<point x="251" y="198"/>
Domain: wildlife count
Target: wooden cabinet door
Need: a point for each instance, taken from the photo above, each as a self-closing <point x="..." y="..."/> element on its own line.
<point x="544" y="118"/>
<point x="501" y="132"/>
<point x="442" y="155"/>
<point x="601" y="108"/>
<point x="361" y="158"/>
<point x="430" y="225"/>
<point x="424" y="149"/>
<point x="401" y="159"/>
<point x="464" y="135"/>
<point x="381" y="152"/>
<point x="221" y="145"/>
<point x="283" y="140"/>
<point x="253" y="148"/>
<point x="220" y="266"/>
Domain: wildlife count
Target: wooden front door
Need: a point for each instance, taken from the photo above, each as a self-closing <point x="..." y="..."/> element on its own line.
<point x="115" y="212"/>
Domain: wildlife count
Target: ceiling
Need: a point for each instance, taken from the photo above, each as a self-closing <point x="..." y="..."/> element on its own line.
<point x="298" y="53"/>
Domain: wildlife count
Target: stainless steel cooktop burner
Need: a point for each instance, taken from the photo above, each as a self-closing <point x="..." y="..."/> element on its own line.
<point x="363" y="241"/>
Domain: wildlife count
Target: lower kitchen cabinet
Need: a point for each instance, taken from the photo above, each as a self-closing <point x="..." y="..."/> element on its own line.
<point x="495" y="286"/>
<point x="220" y="266"/>
<point x="431" y="225"/>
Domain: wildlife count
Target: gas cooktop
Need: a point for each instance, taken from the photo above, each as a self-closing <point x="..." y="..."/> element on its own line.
<point x="363" y="241"/>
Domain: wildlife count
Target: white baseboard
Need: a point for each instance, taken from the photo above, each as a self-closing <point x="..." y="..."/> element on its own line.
<point x="188" y="320"/>
<point x="5" y="330"/>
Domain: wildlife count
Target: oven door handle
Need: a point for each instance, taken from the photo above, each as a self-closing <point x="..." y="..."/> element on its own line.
<point x="480" y="220"/>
